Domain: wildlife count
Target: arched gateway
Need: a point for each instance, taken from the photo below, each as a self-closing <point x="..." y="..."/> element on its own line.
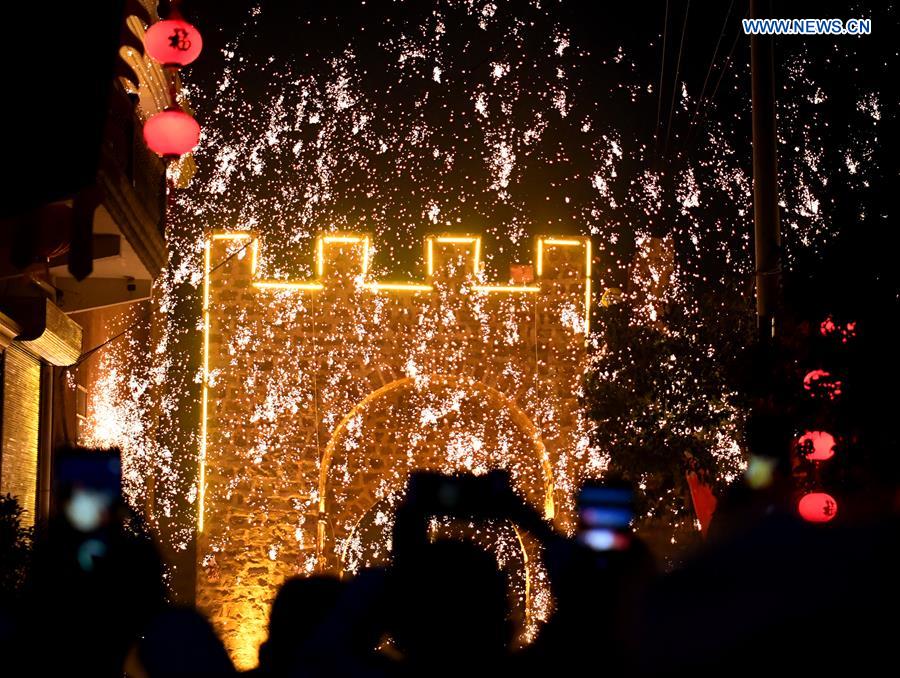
<point x="321" y="396"/>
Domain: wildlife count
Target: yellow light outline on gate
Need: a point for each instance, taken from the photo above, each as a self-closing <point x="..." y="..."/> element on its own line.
<point x="375" y="286"/>
<point x="588" y="265"/>
<point x="506" y="288"/>
<point x="398" y="286"/>
<point x="352" y="238"/>
<point x="287" y="285"/>
<point x="204" y="399"/>
<point x="455" y="240"/>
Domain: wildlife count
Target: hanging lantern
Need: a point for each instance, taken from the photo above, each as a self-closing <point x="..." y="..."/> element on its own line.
<point x="817" y="507"/>
<point x="817" y="445"/>
<point x="173" y="42"/>
<point x="821" y="384"/>
<point x="171" y="133"/>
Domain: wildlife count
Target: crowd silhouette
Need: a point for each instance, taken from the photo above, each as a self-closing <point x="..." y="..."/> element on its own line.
<point x="766" y="594"/>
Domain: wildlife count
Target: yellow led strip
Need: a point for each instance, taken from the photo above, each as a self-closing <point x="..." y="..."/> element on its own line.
<point x="286" y="285"/>
<point x="506" y="288"/>
<point x="460" y="239"/>
<point x="564" y="242"/>
<point x="398" y="286"/>
<point x="232" y="235"/>
<point x="455" y="240"/>
<point x="587" y="258"/>
<point x="587" y="306"/>
<point x="255" y="254"/>
<point x="320" y="257"/>
<point x="323" y="240"/>
<point x="241" y="235"/>
<point x="204" y="402"/>
<point x="588" y="265"/>
<point x="201" y="490"/>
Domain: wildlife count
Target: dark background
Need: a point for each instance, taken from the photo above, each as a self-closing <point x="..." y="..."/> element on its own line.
<point x="303" y="36"/>
<point x="841" y="261"/>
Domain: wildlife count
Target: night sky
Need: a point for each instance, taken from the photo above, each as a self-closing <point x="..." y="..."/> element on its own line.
<point x="613" y="68"/>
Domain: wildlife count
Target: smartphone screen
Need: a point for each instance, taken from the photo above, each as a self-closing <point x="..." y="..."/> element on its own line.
<point x="604" y="517"/>
<point x="461" y="494"/>
<point x="87" y="486"/>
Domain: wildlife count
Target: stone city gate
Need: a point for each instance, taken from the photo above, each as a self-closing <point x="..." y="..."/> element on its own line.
<point x="320" y="396"/>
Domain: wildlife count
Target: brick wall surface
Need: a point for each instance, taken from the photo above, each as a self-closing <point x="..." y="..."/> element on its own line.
<point x="322" y="395"/>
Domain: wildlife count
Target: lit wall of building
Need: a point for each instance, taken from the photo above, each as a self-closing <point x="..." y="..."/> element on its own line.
<point x="320" y="397"/>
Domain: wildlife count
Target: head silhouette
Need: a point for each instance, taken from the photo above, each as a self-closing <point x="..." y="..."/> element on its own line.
<point x="451" y="608"/>
<point x="299" y="608"/>
<point x="181" y="642"/>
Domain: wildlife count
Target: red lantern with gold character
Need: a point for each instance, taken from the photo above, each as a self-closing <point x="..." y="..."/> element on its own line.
<point x="817" y="507"/>
<point x="173" y="42"/>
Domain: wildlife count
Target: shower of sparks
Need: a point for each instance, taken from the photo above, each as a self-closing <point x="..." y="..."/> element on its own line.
<point x="434" y="129"/>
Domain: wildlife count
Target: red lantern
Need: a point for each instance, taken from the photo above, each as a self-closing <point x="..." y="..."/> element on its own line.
<point x="171" y="133"/>
<point x="173" y="42"/>
<point x="827" y="326"/>
<point x="817" y="445"/>
<point x="817" y="507"/>
<point x="820" y="383"/>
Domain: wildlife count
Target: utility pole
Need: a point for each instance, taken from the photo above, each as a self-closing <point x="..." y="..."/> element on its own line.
<point x="768" y="429"/>
<point x="766" y="220"/>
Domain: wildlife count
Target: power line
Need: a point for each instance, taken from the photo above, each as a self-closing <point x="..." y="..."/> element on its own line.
<point x="87" y="354"/>
<point x="687" y="11"/>
<point x="705" y="106"/>
<point x="711" y="64"/>
<point x="662" y="70"/>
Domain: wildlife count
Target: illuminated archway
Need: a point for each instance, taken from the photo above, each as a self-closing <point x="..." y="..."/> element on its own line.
<point x="436" y="387"/>
<point x="440" y="423"/>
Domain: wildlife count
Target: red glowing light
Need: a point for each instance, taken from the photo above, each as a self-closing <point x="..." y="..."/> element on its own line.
<point x="822" y="383"/>
<point x="171" y="133"/>
<point x="817" y="445"/>
<point x="703" y="499"/>
<point x="173" y="42"/>
<point x="817" y="507"/>
<point x="828" y="327"/>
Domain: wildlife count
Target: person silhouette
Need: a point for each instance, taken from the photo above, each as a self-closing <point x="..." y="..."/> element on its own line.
<point x="299" y="608"/>
<point x="451" y="611"/>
